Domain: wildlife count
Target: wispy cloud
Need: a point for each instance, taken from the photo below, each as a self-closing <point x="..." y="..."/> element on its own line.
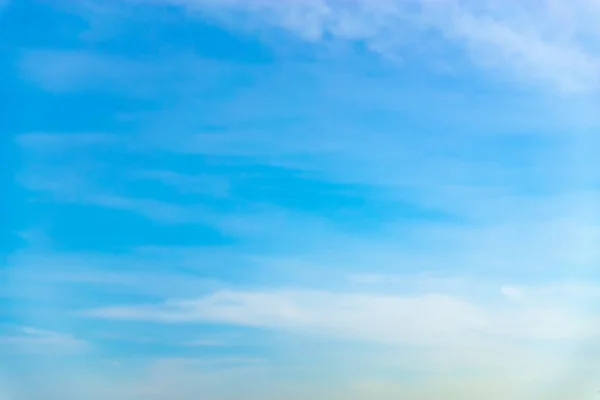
<point x="205" y="343"/>
<point x="553" y="44"/>
<point x="37" y="341"/>
<point x="47" y="142"/>
<point x="62" y="70"/>
<point x="423" y="319"/>
<point x="187" y="183"/>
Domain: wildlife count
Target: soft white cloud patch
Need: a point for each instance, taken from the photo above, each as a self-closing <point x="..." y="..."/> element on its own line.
<point x="38" y="341"/>
<point x="550" y="42"/>
<point x="421" y="319"/>
<point x="513" y="293"/>
<point x="531" y="44"/>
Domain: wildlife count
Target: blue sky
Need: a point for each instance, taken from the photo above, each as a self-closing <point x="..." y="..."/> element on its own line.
<point x="318" y="199"/>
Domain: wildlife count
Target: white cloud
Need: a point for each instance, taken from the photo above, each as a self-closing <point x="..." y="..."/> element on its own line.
<point x="553" y="43"/>
<point x="513" y="293"/>
<point x="37" y="341"/>
<point x="526" y="42"/>
<point x="430" y="319"/>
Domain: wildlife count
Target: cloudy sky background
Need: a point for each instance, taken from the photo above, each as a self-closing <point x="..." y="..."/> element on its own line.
<point x="317" y="199"/>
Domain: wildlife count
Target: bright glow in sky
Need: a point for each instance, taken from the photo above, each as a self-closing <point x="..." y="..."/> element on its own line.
<point x="300" y="199"/>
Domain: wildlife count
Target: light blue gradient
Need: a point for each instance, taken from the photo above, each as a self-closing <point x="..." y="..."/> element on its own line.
<point x="298" y="200"/>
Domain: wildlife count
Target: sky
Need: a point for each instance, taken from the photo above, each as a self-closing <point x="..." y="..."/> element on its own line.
<point x="316" y="199"/>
